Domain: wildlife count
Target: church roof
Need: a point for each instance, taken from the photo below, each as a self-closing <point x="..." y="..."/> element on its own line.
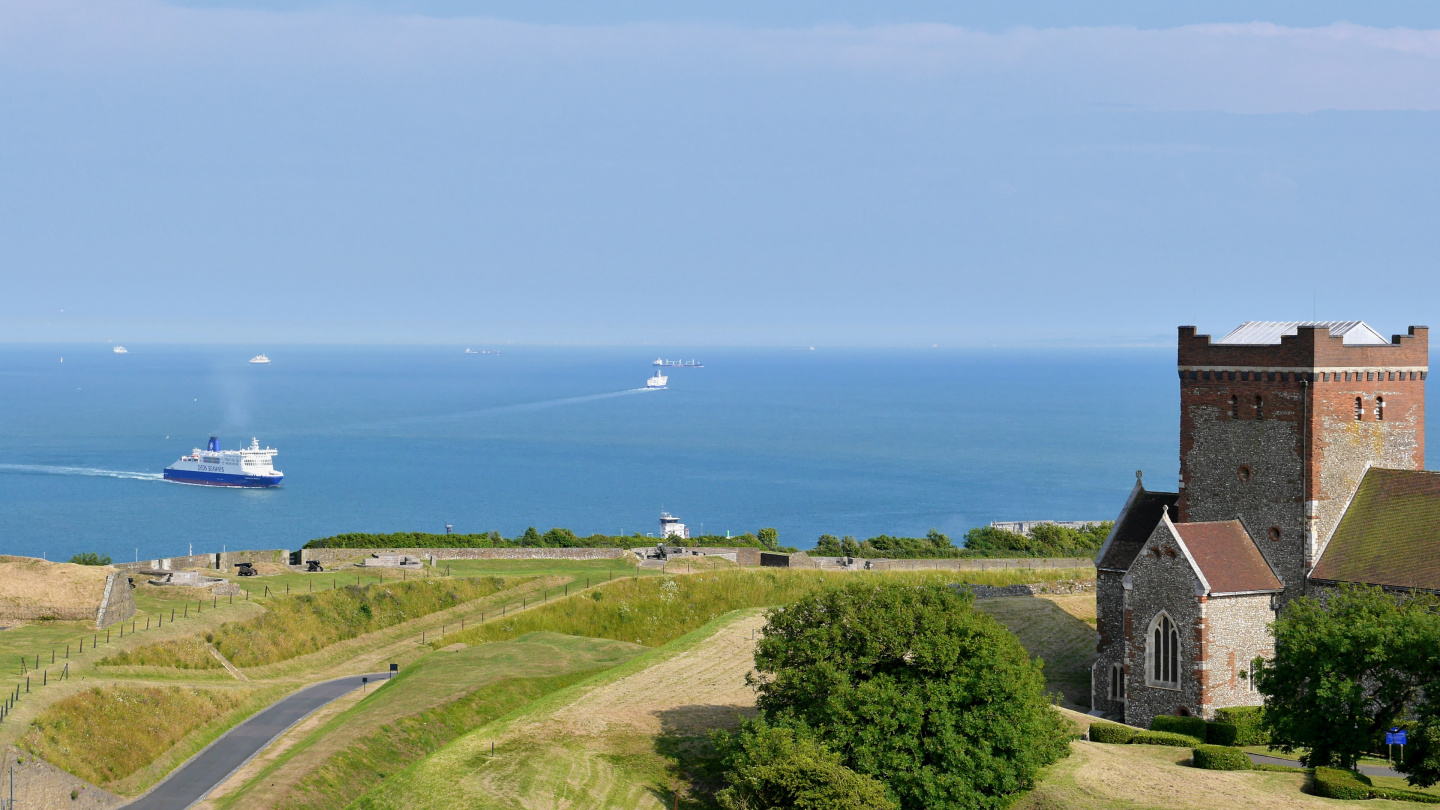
<point x="1227" y="557"/>
<point x="1390" y="533"/>
<point x="1133" y="528"/>
<point x="1254" y="333"/>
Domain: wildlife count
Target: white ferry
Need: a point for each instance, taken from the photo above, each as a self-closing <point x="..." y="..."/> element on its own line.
<point x="120" y="350"/>
<point x="259" y="360"/>
<point x="658" y="381"/>
<point x="249" y="467"/>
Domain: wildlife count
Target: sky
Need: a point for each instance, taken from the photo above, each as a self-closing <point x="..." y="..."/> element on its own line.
<point x="847" y="173"/>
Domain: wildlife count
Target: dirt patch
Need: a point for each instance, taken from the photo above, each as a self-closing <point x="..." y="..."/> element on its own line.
<point x="57" y="589"/>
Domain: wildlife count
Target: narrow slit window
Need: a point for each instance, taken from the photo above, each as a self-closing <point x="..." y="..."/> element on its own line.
<point x="1359" y="409"/>
<point x="1259" y="409"/>
<point x="1234" y="407"/>
<point x="1380" y="409"/>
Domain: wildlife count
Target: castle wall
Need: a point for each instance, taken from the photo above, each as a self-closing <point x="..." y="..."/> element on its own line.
<point x="1161" y="579"/>
<point x="1237" y="632"/>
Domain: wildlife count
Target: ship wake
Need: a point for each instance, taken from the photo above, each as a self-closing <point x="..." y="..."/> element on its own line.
<point x="46" y="469"/>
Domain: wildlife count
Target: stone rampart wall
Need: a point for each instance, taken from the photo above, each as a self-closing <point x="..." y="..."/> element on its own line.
<point x="118" y="603"/>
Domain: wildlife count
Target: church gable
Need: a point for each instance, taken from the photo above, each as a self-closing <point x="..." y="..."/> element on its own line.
<point x="1133" y="527"/>
<point x="1389" y="535"/>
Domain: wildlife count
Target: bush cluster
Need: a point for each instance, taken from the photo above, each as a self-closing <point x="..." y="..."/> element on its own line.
<point x="1219" y="758"/>
<point x="1246" y="722"/>
<point x="555" y="538"/>
<point x="1189" y="726"/>
<point x="1336" y="783"/>
<point x="1166" y="738"/>
<point x="90" y="558"/>
<point x="1112" y="733"/>
<point x="1045" y="540"/>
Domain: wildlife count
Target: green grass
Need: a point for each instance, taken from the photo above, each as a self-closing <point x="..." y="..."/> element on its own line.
<point x="1065" y="643"/>
<point x="107" y="733"/>
<point x="301" y="624"/>
<point x="430" y="703"/>
<point x="654" y="611"/>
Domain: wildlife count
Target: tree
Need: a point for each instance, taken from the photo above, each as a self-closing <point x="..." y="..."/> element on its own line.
<point x="769" y="538"/>
<point x="848" y="546"/>
<point x="1346" y="669"/>
<point x="827" y="546"/>
<point x="771" y="768"/>
<point x="912" y="686"/>
<point x="90" y="558"/>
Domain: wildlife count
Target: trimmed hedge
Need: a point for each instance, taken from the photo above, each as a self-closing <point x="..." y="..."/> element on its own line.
<point x="1221" y="733"/>
<point x="1334" y="783"/>
<point x="1112" y="733"/>
<point x="1246" y="720"/>
<point x="1219" y="758"/>
<point x="1189" y="726"/>
<point x="1166" y="738"/>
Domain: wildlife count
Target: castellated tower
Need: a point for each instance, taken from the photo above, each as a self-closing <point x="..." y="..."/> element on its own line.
<point x="1279" y="422"/>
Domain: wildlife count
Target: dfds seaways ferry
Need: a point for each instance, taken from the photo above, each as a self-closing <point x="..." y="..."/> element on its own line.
<point x="248" y="467"/>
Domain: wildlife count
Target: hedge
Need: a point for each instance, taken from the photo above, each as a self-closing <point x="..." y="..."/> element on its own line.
<point x="1221" y="733"/>
<point x="1112" y="733"/>
<point x="1334" y="783"/>
<point x="1219" y="758"/>
<point x="1189" y="726"/>
<point x="1246" y="720"/>
<point x="1166" y="738"/>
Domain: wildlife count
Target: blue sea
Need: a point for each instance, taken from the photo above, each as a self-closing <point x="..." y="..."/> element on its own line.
<point x="378" y="439"/>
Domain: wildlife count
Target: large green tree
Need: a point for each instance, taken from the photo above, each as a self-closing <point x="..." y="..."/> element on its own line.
<point x="914" y="687"/>
<point x="770" y="768"/>
<point x="1345" y="669"/>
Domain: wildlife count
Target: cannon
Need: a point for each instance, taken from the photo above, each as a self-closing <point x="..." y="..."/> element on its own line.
<point x="313" y="567"/>
<point x="246" y="569"/>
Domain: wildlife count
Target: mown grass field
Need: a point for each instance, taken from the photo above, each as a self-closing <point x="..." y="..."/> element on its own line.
<point x="1050" y="629"/>
<point x="429" y="704"/>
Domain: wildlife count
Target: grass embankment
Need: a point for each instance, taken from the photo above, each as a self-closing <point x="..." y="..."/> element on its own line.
<point x="658" y="610"/>
<point x="429" y="704"/>
<point x="308" y="622"/>
<point x="1057" y="630"/>
<point x="108" y="733"/>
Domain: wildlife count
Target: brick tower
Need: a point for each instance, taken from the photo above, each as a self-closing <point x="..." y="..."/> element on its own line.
<point x="1279" y="421"/>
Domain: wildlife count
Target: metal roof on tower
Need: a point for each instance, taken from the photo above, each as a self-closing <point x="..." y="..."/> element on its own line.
<point x="1259" y="333"/>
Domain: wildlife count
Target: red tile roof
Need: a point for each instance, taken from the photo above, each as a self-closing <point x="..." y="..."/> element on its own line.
<point x="1228" y="557"/>
<point x="1390" y="533"/>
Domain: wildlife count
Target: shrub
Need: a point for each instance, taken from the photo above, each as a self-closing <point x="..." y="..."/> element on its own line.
<point x="1166" y="738"/>
<point x="883" y="672"/>
<point x="1189" y="726"/>
<point x="1333" y="783"/>
<point x="1221" y="733"/>
<point x="90" y="558"/>
<point x="1112" y="733"/>
<point x="773" y="768"/>
<point x="1246" y="720"/>
<point x="1219" y="758"/>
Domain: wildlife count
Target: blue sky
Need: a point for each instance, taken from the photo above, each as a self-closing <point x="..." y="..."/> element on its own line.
<point x="840" y="173"/>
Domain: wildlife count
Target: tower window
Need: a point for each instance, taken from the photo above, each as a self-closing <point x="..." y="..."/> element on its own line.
<point x="1259" y="409"/>
<point x="1274" y="533"/>
<point x="1234" y="407"/>
<point x="1380" y="409"/>
<point x="1243" y="473"/>
<point x="1163" y="653"/>
<point x="1117" y="682"/>
<point x="1359" y="409"/>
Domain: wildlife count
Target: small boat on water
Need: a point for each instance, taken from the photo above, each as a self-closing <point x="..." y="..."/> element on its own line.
<point x="259" y="360"/>
<point x="120" y="350"/>
<point x="658" y="381"/>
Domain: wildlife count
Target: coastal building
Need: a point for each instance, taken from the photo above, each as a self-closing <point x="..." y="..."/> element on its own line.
<point x="1302" y="452"/>
<point x="672" y="528"/>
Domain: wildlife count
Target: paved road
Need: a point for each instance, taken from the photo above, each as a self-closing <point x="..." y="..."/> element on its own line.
<point x="211" y="766"/>
<point x="1368" y="770"/>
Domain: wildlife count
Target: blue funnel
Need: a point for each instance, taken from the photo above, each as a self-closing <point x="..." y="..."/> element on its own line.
<point x="214" y="444"/>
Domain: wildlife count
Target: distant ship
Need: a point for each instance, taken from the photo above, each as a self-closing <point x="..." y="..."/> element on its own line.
<point x="259" y="360"/>
<point x="249" y="467"/>
<point x="482" y="351"/>
<point x="120" y="350"/>
<point x="658" y="381"/>
<point x="676" y="363"/>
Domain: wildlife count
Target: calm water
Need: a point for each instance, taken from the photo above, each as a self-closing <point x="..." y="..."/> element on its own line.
<point x="388" y="439"/>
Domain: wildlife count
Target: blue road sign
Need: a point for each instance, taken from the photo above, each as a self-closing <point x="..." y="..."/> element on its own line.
<point x="1395" y="736"/>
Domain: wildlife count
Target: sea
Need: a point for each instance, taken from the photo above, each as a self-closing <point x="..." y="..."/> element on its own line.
<point x="417" y="438"/>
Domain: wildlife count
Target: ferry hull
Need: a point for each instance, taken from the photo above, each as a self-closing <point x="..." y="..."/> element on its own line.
<point x="222" y="479"/>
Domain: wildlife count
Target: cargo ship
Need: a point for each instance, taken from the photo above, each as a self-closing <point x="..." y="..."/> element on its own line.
<point x="251" y="466"/>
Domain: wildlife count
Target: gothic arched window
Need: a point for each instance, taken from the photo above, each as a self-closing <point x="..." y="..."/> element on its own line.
<point x="1359" y="409"/>
<point x="1117" y="682"/>
<point x="1380" y="409"/>
<point x="1162" y="653"/>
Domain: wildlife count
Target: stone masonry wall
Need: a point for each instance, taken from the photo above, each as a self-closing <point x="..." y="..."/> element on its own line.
<point x="1110" y="640"/>
<point x="1238" y="632"/>
<point x="118" y="603"/>
<point x="1161" y="580"/>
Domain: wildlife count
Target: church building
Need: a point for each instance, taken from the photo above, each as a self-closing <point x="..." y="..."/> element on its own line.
<point x="1302" y="455"/>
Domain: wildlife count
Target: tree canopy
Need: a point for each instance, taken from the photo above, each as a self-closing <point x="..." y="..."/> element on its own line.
<point x="1348" y="667"/>
<point x="90" y="558"/>
<point x="771" y="768"/>
<point x="911" y="685"/>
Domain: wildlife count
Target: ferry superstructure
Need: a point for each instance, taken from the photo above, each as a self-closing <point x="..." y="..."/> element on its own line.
<point x="251" y="466"/>
<point x="259" y="360"/>
<point x="658" y="381"/>
<point x="663" y="363"/>
<point x="120" y="350"/>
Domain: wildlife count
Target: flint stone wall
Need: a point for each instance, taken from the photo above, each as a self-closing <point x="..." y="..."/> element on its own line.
<point x="1163" y="583"/>
<point x="1238" y="633"/>
<point x="1109" y="640"/>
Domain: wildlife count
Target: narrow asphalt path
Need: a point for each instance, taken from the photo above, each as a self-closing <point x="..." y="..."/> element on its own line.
<point x="1368" y="770"/>
<point x="192" y="781"/>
